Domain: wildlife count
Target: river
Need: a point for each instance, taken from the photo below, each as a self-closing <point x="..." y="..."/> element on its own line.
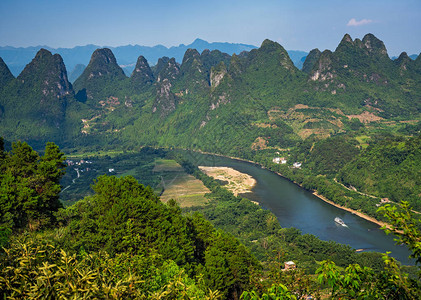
<point x="297" y="207"/>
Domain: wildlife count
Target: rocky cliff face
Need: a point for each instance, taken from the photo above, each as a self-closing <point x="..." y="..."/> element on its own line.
<point x="142" y="74"/>
<point x="217" y="74"/>
<point x="167" y="71"/>
<point x="322" y="68"/>
<point x="374" y="46"/>
<point x="365" y="59"/>
<point x="167" y="68"/>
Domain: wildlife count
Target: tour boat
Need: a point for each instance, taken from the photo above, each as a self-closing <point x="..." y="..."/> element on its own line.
<point x="340" y="222"/>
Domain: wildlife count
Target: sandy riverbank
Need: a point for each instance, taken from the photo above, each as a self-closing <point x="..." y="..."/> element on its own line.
<point x="238" y="183"/>
<point x="360" y="214"/>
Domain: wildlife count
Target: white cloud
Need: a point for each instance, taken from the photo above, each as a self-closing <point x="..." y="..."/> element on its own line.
<point x="354" y="22"/>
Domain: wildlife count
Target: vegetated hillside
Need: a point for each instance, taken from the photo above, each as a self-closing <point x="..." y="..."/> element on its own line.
<point x="360" y="73"/>
<point x="259" y="99"/>
<point x="124" y="225"/>
<point x="37" y="104"/>
<point x="327" y="156"/>
<point x="5" y="75"/>
<point x="389" y="168"/>
<point x="100" y="77"/>
<point x="233" y="105"/>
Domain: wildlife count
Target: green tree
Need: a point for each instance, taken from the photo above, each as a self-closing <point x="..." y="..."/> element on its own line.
<point x="30" y="186"/>
<point x="405" y="226"/>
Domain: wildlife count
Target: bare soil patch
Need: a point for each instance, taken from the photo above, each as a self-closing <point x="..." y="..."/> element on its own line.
<point x="259" y="144"/>
<point x="238" y="183"/>
<point x="366" y="117"/>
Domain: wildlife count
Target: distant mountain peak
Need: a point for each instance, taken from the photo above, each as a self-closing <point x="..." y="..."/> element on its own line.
<point x="101" y="70"/>
<point x="76" y="72"/>
<point x="404" y="61"/>
<point x="43" y="92"/>
<point x="190" y="54"/>
<point x="141" y="65"/>
<point x="403" y="56"/>
<point x="43" y="53"/>
<point x="198" y="40"/>
<point x="268" y="43"/>
<point x="50" y="67"/>
<point x="142" y="73"/>
<point x="103" y="62"/>
<point x="374" y="45"/>
<point x="347" y="39"/>
<point x="269" y="47"/>
<point x="103" y="55"/>
<point x="167" y="68"/>
<point x="345" y="43"/>
<point x="311" y="60"/>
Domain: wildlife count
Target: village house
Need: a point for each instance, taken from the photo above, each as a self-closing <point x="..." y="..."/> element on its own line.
<point x="278" y="160"/>
<point x="297" y="165"/>
<point x="289" y="265"/>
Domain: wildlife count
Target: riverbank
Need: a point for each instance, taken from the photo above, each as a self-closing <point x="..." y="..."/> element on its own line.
<point x="355" y="212"/>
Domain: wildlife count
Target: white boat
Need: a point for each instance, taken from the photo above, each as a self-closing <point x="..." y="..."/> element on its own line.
<point x="340" y="222"/>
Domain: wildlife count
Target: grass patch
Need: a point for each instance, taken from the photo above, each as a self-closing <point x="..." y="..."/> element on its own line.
<point x="363" y="140"/>
<point x="167" y="165"/>
<point x="180" y="186"/>
<point x="131" y="172"/>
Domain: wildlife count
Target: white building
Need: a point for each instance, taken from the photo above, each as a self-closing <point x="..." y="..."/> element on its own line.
<point x="278" y="160"/>
<point x="297" y="165"/>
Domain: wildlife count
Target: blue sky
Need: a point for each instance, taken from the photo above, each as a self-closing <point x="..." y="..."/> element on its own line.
<point x="296" y="25"/>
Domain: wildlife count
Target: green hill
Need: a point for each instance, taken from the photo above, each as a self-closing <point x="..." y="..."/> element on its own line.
<point x="389" y="168"/>
<point x="35" y="104"/>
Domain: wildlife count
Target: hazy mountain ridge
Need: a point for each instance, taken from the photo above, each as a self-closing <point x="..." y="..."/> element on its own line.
<point x="17" y="58"/>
